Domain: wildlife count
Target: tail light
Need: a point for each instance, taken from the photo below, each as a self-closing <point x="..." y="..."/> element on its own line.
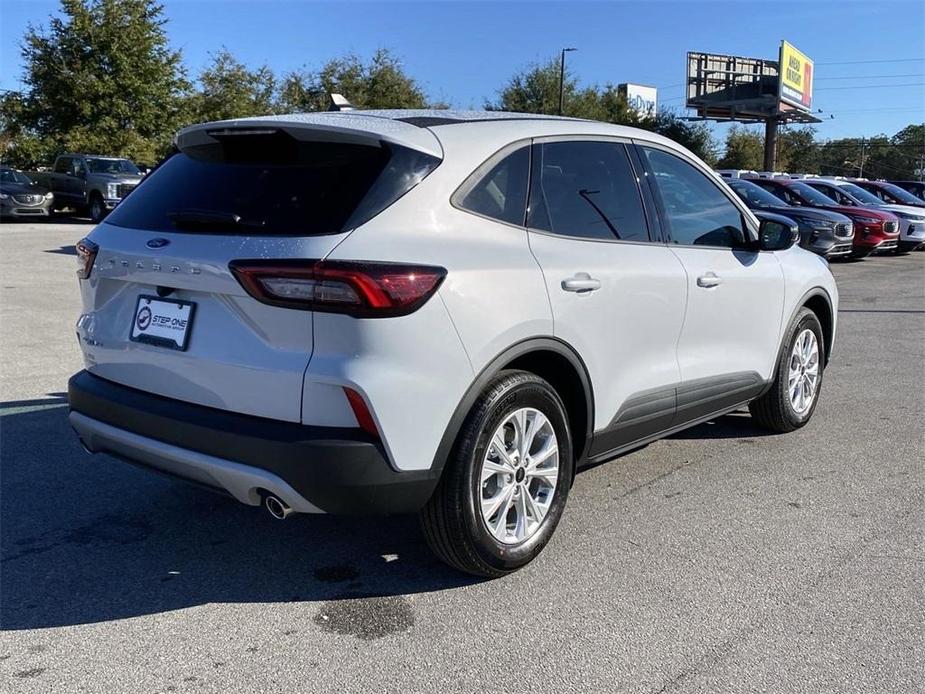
<point x="356" y="288"/>
<point x="86" y="255"/>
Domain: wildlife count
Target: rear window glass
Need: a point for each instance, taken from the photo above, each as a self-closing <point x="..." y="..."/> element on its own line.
<point x="272" y="185"/>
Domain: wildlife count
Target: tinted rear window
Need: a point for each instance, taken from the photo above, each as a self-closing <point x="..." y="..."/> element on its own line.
<point x="272" y="185"/>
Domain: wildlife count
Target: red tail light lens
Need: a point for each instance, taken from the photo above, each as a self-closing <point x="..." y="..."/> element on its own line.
<point x="86" y="256"/>
<point x="357" y="288"/>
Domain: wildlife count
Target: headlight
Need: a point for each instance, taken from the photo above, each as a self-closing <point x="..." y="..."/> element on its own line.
<point x="867" y="220"/>
<point x="49" y="195"/>
<point x="112" y="190"/>
<point x="910" y="216"/>
<point x="4" y="196"/>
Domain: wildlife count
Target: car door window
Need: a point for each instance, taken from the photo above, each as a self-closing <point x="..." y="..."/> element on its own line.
<point x="834" y="193"/>
<point x="698" y="213"/>
<point x="63" y="165"/>
<point x="502" y="192"/>
<point x="588" y="190"/>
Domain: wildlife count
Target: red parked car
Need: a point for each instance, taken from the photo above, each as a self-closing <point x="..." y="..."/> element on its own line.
<point x="874" y="230"/>
<point x="890" y="193"/>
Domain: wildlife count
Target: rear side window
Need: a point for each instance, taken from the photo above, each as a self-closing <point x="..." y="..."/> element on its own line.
<point x="502" y="192"/>
<point x="697" y="211"/>
<point x="587" y="190"/>
<point x="272" y="185"/>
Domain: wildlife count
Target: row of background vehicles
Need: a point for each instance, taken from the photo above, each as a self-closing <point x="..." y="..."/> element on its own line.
<point x="838" y="217"/>
<point x="90" y="185"/>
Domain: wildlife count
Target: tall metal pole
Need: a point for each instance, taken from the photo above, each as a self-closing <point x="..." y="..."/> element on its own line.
<point x="770" y="144"/>
<point x="562" y="76"/>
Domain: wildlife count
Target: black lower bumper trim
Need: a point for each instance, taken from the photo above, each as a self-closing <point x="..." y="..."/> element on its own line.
<point x="339" y="470"/>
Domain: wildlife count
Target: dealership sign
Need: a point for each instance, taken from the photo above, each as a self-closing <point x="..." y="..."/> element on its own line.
<point x="643" y="100"/>
<point x="796" y="77"/>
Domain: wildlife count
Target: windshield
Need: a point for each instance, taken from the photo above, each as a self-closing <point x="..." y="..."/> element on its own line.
<point x="13" y="176"/>
<point x="812" y="196"/>
<point x="898" y="193"/>
<point x="755" y="196"/>
<point x="860" y="194"/>
<point x="112" y="166"/>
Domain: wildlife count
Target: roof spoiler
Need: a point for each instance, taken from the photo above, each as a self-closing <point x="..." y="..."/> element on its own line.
<point x="353" y="127"/>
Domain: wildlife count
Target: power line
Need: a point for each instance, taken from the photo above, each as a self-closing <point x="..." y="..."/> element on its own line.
<point x="870" y="77"/>
<point x="875" y="86"/>
<point x="868" y="62"/>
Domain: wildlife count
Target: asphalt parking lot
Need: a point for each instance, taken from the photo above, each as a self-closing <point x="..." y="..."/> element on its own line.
<point x="722" y="559"/>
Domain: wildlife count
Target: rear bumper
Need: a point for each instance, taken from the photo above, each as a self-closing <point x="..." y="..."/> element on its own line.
<point x="311" y="468"/>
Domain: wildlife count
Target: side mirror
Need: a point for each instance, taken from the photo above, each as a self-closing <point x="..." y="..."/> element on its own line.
<point x="777" y="233"/>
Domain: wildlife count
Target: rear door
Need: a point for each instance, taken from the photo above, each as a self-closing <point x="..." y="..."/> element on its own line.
<point x="617" y="292"/>
<point x="164" y="257"/>
<point x="735" y="295"/>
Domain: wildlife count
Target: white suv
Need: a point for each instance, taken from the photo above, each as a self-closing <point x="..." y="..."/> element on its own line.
<point x="437" y="312"/>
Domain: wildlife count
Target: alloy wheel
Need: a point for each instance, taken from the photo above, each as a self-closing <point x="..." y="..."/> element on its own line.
<point x="803" y="381"/>
<point x="519" y="474"/>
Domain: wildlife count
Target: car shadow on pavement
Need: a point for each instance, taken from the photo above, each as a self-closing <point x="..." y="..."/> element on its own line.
<point x="63" y="250"/>
<point x="736" y="425"/>
<point x="86" y="539"/>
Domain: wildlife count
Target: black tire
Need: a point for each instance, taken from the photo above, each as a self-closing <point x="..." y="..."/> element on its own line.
<point x="773" y="410"/>
<point x="452" y="520"/>
<point x="97" y="208"/>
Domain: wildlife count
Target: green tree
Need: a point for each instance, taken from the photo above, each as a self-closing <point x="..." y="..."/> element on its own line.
<point x="744" y="150"/>
<point x="103" y="78"/>
<point x="228" y="89"/>
<point x="379" y="83"/>
<point x="536" y="90"/>
<point x="797" y="150"/>
<point x="696" y="136"/>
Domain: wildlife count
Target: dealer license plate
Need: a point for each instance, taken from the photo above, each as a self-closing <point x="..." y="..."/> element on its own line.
<point x="162" y="322"/>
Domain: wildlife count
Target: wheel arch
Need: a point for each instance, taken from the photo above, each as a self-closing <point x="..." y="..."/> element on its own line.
<point x="819" y="302"/>
<point x="549" y="358"/>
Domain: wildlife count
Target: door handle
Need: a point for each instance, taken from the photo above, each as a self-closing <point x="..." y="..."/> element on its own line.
<point x="710" y="279"/>
<point x="581" y="282"/>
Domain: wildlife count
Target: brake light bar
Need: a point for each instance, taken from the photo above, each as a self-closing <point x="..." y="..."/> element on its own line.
<point x="86" y="256"/>
<point x="361" y="289"/>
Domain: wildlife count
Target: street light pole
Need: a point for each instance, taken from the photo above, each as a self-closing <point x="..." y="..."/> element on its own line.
<point x="562" y="76"/>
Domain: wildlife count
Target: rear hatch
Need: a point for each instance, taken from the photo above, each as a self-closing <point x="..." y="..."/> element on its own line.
<point x="162" y="311"/>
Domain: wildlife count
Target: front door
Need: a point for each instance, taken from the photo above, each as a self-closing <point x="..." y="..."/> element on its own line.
<point x="729" y="343"/>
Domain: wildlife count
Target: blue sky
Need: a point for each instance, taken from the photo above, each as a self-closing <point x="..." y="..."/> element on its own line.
<point x="462" y="52"/>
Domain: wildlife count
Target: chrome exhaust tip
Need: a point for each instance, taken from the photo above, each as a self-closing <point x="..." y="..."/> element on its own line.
<point x="277" y="507"/>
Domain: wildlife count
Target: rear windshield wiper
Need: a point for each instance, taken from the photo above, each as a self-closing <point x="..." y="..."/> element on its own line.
<point x="208" y="218"/>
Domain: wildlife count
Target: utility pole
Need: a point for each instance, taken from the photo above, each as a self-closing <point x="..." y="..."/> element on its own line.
<point x="562" y="76"/>
<point x="863" y="154"/>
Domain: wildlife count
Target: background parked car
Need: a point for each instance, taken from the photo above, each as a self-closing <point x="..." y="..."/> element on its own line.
<point x="889" y="192"/>
<point x="911" y="219"/>
<point x="20" y="196"/>
<point x="917" y="188"/>
<point x="874" y="229"/>
<point x="827" y="233"/>
<point x="91" y="182"/>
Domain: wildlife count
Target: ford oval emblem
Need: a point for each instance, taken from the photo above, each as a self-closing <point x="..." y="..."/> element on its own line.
<point x="157" y="243"/>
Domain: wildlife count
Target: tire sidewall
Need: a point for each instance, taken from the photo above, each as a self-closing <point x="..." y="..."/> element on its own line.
<point x="807" y="320"/>
<point x="537" y="394"/>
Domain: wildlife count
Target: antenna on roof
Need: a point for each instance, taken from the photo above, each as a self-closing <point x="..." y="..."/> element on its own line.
<point x="338" y="102"/>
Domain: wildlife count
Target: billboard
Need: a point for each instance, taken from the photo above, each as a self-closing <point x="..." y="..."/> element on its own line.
<point x="643" y="100"/>
<point x="796" y="77"/>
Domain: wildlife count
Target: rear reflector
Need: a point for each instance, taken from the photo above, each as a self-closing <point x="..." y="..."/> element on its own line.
<point x="357" y="288"/>
<point x="361" y="412"/>
<point x="86" y="256"/>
